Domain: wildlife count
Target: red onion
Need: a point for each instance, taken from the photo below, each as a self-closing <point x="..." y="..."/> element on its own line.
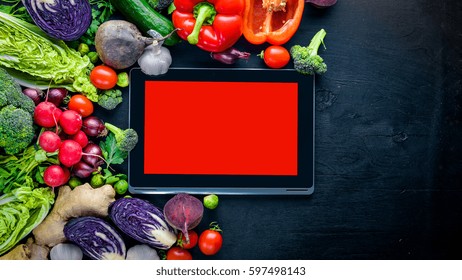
<point x="82" y="169"/>
<point x="229" y="56"/>
<point x="321" y="4"/>
<point x="93" y="126"/>
<point x="34" y="94"/>
<point x="56" y="95"/>
<point x="92" y="155"/>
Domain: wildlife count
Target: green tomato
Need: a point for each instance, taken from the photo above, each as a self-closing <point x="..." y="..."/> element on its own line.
<point x="121" y="187"/>
<point x="97" y="181"/>
<point x="122" y="79"/>
<point x="94" y="57"/>
<point x="74" y="182"/>
<point x="83" y="49"/>
<point x="211" y="201"/>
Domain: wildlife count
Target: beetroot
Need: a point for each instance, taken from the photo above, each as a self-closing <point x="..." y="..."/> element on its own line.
<point x="321" y="3"/>
<point x="183" y="212"/>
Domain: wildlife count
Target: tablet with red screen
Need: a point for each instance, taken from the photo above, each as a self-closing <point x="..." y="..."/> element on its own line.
<point x="223" y="131"/>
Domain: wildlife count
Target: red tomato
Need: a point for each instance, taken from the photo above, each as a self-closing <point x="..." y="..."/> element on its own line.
<point x="103" y="77"/>
<point x="178" y="253"/>
<point x="276" y="56"/>
<point x="210" y="242"/>
<point x="81" y="104"/>
<point x="193" y="237"/>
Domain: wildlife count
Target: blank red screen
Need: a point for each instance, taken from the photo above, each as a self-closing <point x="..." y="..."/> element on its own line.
<point x="221" y="128"/>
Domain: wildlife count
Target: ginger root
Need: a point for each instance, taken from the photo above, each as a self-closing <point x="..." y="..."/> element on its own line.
<point x="81" y="201"/>
<point x="28" y="251"/>
<point x="20" y="252"/>
<point x="37" y="252"/>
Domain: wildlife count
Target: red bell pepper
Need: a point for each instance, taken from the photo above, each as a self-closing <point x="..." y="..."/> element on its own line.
<point x="272" y="21"/>
<point x="212" y="25"/>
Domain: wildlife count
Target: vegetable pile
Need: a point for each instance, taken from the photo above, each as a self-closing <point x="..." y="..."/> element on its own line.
<point x="62" y="192"/>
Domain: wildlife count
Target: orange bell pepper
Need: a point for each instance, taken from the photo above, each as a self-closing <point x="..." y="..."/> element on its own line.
<point x="272" y="21"/>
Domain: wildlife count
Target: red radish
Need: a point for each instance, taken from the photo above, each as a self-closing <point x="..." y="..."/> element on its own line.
<point x="49" y="141"/>
<point x="69" y="153"/>
<point x="82" y="170"/>
<point x="71" y="122"/>
<point x="55" y="175"/>
<point x="93" y="126"/>
<point x="80" y="137"/>
<point x="67" y="174"/>
<point x="46" y="114"/>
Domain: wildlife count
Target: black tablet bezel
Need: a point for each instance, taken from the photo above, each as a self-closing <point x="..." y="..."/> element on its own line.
<point x="302" y="183"/>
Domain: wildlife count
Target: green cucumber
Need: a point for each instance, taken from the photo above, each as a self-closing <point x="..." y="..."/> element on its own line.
<point x="140" y="13"/>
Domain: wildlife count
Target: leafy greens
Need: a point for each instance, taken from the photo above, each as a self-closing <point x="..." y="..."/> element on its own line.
<point x="34" y="59"/>
<point x="20" y="212"/>
<point x="100" y="12"/>
<point x="111" y="153"/>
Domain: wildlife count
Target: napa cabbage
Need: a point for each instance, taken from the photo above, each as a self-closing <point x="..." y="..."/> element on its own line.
<point x="21" y="210"/>
<point x="36" y="60"/>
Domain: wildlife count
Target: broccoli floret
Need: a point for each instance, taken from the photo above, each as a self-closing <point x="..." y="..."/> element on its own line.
<point x="11" y="93"/>
<point x="109" y="99"/>
<point x="16" y="111"/>
<point x="16" y="129"/>
<point x="306" y="59"/>
<point x="126" y="138"/>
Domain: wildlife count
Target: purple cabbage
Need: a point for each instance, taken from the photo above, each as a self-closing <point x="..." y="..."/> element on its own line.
<point x="64" y="20"/>
<point x="96" y="237"/>
<point x="143" y="222"/>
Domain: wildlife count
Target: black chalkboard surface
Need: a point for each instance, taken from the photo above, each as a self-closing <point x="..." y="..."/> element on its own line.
<point x="388" y="141"/>
<point x="387" y="131"/>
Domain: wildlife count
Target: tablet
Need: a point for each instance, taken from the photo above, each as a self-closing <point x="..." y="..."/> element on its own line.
<point x="222" y="131"/>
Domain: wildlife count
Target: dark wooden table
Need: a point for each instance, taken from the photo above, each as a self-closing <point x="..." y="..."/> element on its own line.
<point x="388" y="155"/>
<point x="388" y="131"/>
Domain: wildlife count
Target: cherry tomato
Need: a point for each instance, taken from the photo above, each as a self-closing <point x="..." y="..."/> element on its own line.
<point x="276" y="56"/>
<point x="210" y="242"/>
<point x="193" y="237"/>
<point x="178" y="253"/>
<point x="81" y="104"/>
<point x="103" y="77"/>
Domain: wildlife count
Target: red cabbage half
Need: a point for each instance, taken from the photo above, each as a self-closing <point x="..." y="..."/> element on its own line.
<point x="66" y="20"/>
<point x="142" y="221"/>
<point x="96" y="237"/>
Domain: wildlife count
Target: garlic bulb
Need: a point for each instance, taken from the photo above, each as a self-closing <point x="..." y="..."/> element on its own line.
<point x="155" y="60"/>
<point x="142" y="252"/>
<point x="66" y="251"/>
